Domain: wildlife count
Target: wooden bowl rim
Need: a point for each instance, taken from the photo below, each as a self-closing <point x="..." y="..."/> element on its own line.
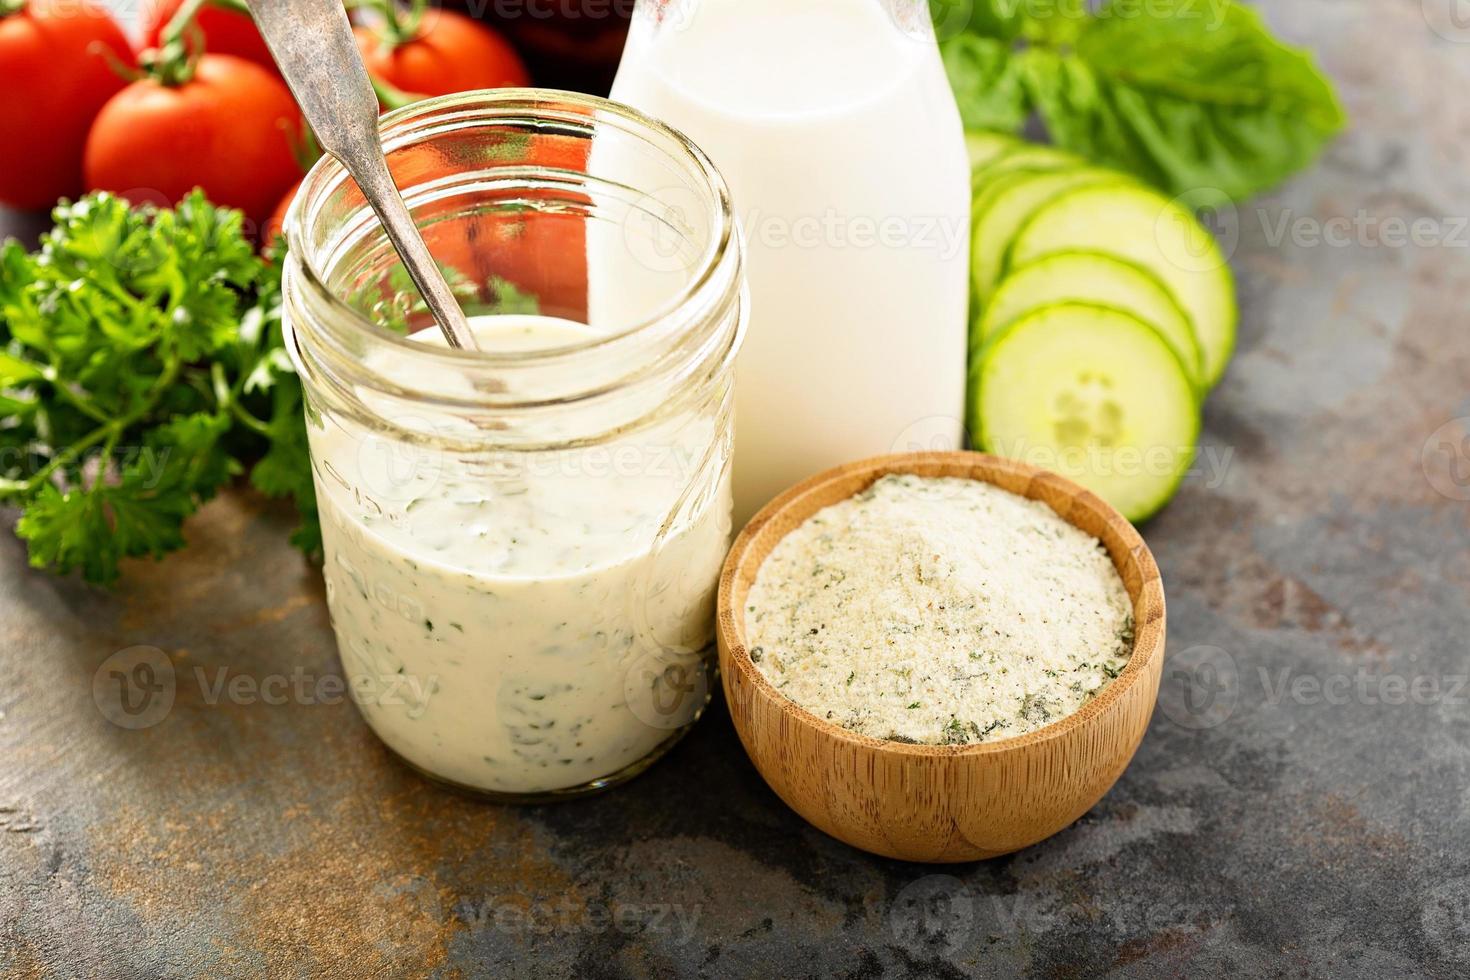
<point x="1148" y="638"/>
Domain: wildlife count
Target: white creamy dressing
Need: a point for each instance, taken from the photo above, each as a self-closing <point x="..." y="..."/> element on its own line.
<point x="515" y="622"/>
<point x="838" y="134"/>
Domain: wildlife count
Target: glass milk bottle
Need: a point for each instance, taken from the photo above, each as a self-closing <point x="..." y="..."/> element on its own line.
<point x="835" y="126"/>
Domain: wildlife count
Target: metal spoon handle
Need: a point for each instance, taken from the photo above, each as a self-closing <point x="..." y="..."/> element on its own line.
<point x="312" y="42"/>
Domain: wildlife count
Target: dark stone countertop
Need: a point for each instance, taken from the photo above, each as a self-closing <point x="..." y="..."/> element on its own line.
<point x="1300" y="805"/>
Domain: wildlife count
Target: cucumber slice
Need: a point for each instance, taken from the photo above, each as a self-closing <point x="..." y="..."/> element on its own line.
<point x="1008" y="205"/>
<point x="1099" y="278"/>
<point x="1144" y="227"/>
<point x="1026" y="156"/>
<point x="985" y="147"/>
<point x="1096" y="395"/>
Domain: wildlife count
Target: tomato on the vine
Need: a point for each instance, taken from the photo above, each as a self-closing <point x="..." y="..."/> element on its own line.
<point x="436" y="52"/>
<point x="225" y="31"/>
<point x="61" y="61"/>
<point x="221" y="123"/>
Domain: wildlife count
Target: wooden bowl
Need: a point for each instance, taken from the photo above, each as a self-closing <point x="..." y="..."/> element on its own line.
<point x="942" y="802"/>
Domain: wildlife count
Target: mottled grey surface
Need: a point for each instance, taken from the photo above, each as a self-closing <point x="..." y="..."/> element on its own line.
<point x="1300" y="805"/>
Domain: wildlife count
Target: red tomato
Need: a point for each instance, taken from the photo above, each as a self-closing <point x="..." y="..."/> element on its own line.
<point x="275" y="225"/>
<point x="543" y="253"/>
<point x="231" y="129"/>
<point x="450" y="53"/>
<point x="225" y="31"/>
<point x="58" y="60"/>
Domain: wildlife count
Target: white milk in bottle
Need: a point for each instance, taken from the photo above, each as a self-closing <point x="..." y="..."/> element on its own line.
<point x="836" y="129"/>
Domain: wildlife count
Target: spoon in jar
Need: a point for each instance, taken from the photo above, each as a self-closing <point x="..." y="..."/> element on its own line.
<point x="312" y="43"/>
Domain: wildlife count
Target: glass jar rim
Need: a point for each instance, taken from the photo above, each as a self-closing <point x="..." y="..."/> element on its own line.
<point x="398" y="130"/>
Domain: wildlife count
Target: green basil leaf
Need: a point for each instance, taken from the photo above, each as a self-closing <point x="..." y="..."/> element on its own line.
<point x="987" y="81"/>
<point x="1186" y="99"/>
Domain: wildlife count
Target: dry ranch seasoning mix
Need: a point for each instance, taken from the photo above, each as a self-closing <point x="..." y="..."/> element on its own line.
<point x="939" y="611"/>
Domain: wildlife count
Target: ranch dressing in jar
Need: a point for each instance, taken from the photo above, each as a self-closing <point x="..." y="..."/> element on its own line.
<point x="564" y="586"/>
<point x="522" y="543"/>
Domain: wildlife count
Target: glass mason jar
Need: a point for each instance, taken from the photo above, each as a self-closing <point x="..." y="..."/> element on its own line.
<point x="522" y="543"/>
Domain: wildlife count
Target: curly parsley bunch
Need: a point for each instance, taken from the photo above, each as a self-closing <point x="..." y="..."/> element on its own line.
<point x="141" y="369"/>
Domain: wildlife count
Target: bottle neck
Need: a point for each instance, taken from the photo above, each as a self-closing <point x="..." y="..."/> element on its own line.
<point x="703" y="61"/>
<point x="811" y="20"/>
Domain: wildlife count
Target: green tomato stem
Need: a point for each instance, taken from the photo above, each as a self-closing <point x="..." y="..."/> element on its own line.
<point x="397" y="28"/>
<point x="391" y="96"/>
<point x="8" y="7"/>
<point x="119" y="67"/>
<point x="181" y="21"/>
<point x="180" y="46"/>
<point x="415" y="18"/>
